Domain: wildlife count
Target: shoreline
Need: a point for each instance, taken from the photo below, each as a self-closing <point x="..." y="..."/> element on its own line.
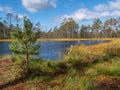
<point x="63" y="39"/>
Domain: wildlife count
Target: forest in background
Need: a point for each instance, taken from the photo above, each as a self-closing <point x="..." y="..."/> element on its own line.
<point x="69" y="28"/>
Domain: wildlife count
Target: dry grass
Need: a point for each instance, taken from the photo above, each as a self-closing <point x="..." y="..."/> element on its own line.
<point x="62" y="39"/>
<point x="93" y="53"/>
<point x="6" y="40"/>
<point x="75" y="39"/>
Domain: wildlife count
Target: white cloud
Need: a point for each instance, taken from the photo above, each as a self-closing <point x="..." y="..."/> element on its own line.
<point x="6" y="8"/>
<point x="105" y="14"/>
<point x="114" y="5"/>
<point x="83" y="15"/>
<point x="35" y="5"/>
<point x="116" y="13"/>
<point x="21" y="16"/>
<point x="101" y="7"/>
<point x="110" y="9"/>
<point x="111" y="5"/>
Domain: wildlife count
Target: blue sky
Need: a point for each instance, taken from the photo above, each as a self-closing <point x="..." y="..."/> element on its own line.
<point x="51" y="12"/>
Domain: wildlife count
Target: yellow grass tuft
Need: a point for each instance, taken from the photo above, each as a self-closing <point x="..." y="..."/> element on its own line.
<point x="93" y="53"/>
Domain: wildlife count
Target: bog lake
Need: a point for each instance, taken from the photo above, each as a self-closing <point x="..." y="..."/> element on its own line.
<point x="52" y="50"/>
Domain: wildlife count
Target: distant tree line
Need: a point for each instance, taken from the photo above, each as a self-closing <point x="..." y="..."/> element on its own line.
<point x="10" y="23"/>
<point x="70" y="29"/>
<point x="110" y="28"/>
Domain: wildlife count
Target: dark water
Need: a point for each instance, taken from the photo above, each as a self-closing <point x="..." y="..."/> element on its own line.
<point x="51" y="49"/>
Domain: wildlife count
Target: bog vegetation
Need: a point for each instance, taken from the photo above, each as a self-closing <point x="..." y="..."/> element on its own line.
<point x="94" y="67"/>
<point x="83" y="68"/>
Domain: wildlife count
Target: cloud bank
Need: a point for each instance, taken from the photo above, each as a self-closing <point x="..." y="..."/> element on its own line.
<point x="110" y="9"/>
<point x="35" y="5"/>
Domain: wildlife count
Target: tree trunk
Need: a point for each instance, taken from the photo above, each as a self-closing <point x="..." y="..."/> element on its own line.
<point x="27" y="59"/>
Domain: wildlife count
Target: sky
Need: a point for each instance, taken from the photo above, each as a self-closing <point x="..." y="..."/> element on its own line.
<point x="50" y="13"/>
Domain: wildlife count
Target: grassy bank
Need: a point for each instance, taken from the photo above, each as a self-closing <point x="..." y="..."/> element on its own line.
<point x="63" y="39"/>
<point x="94" y="67"/>
<point x="94" y="53"/>
<point x="75" y="39"/>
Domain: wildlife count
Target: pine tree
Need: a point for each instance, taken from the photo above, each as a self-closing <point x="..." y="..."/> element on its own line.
<point x="25" y="43"/>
